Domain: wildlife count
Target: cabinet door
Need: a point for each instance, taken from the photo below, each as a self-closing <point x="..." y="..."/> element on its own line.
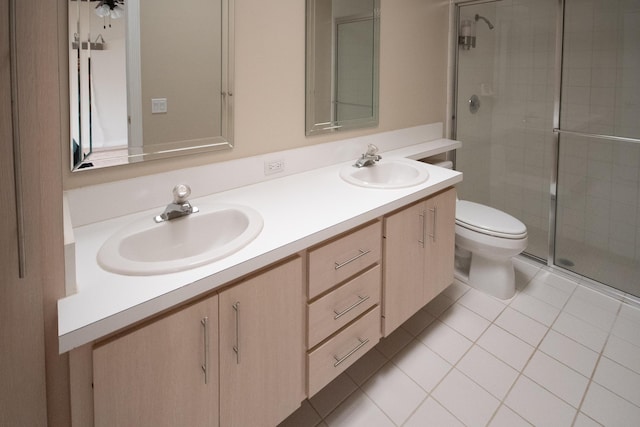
<point x="440" y="243"/>
<point x="404" y="235"/>
<point x="262" y="347"/>
<point x="155" y="375"/>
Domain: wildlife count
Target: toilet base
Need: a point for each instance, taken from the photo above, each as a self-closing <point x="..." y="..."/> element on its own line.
<point x="493" y="276"/>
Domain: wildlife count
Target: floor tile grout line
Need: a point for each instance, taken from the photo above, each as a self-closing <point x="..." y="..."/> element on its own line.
<point x="376" y="404"/>
<point x="429" y="393"/>
<point x="454" y="366"/>
<point x="389" y="360"/>
<point x="475" y="342"/>
<point x="358" y="388"/>
<point x="536" y="349"/>
<point x="520" y="371"/>
<point x="590" y="378"/>
<point x="593" y="380"/>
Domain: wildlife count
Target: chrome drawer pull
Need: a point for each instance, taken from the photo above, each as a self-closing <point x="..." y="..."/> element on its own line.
<point x="346" y="356"/>
<point x="361" y="254"/>
<point x="205" y="331"/>
<point x="424" y="227"/>
<point x="351" y="307"/>
<point x="236" y="348"/>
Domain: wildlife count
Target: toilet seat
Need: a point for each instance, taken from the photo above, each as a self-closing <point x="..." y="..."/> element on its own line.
<point x="487" y="220"/>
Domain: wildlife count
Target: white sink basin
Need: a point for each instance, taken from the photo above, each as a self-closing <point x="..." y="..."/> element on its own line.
<point x="392" y="173"/>
<point x="146" y="248"/>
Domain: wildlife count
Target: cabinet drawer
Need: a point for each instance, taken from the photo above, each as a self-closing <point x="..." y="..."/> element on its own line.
<point x="341" y="306"/>
<point x="340" y="259"/>
<point x="334" y="356"/>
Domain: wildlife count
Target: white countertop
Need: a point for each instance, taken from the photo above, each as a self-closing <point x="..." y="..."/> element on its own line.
<point x="298" y="210"/>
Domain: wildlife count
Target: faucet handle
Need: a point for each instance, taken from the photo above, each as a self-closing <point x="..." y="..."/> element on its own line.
<point x="181" y="193"/>
<point x="371" y="150"/>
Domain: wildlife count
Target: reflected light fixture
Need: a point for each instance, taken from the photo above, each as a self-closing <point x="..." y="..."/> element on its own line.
<point x="110" y="9"/>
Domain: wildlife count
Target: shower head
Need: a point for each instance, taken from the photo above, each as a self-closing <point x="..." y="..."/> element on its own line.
<point x="478" y="17"/>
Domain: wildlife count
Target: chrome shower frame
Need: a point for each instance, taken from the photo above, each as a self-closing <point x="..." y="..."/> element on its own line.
<point x="557" y="131"/>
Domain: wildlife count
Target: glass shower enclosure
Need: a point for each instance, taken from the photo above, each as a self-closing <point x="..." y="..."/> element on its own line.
<point x="547" y="105"/>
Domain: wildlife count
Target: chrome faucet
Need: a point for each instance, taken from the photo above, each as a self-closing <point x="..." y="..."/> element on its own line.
<point x="179" y="207"/>
<point x="369" y="158"/>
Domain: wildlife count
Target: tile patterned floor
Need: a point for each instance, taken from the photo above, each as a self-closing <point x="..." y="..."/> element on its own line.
<point x="556" y="354"/>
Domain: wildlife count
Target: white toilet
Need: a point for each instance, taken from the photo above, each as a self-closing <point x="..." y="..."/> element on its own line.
<point x="486" y="241"/>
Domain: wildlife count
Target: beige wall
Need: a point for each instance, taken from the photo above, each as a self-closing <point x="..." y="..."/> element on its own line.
<point x="174" y="65"/>
<point x="322" y="72"/>
<point x="270" y="81"/>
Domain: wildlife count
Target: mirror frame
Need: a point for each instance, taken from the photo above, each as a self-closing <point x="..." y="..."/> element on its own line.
<point x="177" y="148"/>
<point x="312" y="126"/>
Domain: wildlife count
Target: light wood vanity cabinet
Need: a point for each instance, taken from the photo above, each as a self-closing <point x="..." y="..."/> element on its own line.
<point x="161" y="374"/>
<point x="244" y="356"/>
<point x="419" y="247"/>
<point x="179" y="370"/>
<point x="343" y="310"/>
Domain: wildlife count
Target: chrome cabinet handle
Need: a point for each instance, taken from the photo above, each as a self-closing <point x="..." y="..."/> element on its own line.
<point x="423" y="215"/>
<point x="346" y="356"/>
<point x="17" y="155"/>
<point x="205" y="332"/>
<point x="236" y="348"/>
<point x="361" y="254"/>
<point x="435" y="221"/>
<point x="351" y="307"/>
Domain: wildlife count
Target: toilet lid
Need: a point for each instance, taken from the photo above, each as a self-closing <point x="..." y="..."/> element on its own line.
<point x="487" y="220"/>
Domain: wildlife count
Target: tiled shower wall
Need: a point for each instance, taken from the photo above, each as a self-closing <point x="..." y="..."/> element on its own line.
<point x="507" y="146"/>
<point x="475" y="77"/>
<point x="522" y="120"/>
<point x="599" y="181"/>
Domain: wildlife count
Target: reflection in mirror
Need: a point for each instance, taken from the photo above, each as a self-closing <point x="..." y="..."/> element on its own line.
<point x="149" y="79"/>
<point x="342" y="64"/>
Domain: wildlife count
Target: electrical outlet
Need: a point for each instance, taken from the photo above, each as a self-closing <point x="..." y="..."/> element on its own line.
<point x="273" y="166"/>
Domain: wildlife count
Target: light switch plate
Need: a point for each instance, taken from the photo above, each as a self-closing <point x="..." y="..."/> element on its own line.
<point x="158" y="105"/>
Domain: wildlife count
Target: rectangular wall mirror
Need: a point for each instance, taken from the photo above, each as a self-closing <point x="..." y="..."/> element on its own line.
<point x="149" y="79"/>
<point x="342" y="64"/>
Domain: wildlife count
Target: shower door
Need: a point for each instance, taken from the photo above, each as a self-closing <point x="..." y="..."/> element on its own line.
<point x="561" y="155"/>
<point x="505" y="108"/>
<point x="597" y="231"/>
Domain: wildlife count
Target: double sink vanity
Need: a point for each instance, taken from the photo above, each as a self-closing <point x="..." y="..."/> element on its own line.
<point x="234" y="314"/>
